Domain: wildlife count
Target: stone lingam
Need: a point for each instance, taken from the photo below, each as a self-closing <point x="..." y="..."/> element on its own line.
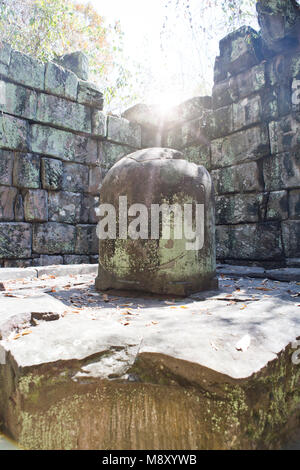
<point x="157" y="225"/>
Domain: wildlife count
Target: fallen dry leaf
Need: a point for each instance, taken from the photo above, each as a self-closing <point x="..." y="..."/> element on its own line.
<point x="26" y="332"/>
<point x="243" y="306"/>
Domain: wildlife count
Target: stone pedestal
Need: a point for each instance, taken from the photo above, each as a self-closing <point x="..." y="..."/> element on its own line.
<point x="158" y="178"/>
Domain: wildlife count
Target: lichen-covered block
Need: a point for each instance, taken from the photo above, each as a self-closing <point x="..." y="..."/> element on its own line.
<point x="63" y="145"/>
<point x="13" y="133"/>
<point x="46" y="260"/>
<point x="60" y="81"/>
<point x="26" y="173"/>
<point x="6" y="167"/>
<point x="186" y="111"/>
<point x="109" y="153"/>
<point x="247" y="112"/>
<point x="99" y="124"/>
<point x="75" y="178"/>
<point x="76" y="259"/>
<point x="122" y="131"/>
<point x="199" y="154"/>
<point x="19" y="209"/>
<point x="291" y="238"/>
<point x="53" y="238"/>
<point x="51" y="173"/>
<point x="5" y="52"/>
<point x="90" y="94"/>
<point x="285" y="134"/>
<point x="239" y="51"/>
<point x="87" y="241"/>
<point x="64" y="207"/>
<point x="36" y="205"/>
<point x="15" y="240"/>
<point x="18" y="100"/>
<point x="282" y="171"/>
<point x="90" y="204"/>
<point x="18" y="263"/>
<point x="223" y="121"/>
<point x="63" y="113"/>
<point x="239" y="208"/>
<point x="239" y="178"/>
<point x="294" y="204"/>
<point x="26" y="70"/>
<point x="77" y="62"/>
<point x="7" y="202"/>
<point x="95" y="178"/>
<point x="223" y="245"/>
<point x="198" y="131"/>
<point x="277" y="206"/>
<point x="249" y="144"/>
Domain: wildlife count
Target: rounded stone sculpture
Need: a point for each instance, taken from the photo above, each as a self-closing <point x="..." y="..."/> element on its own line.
<point x="164" y="240"/>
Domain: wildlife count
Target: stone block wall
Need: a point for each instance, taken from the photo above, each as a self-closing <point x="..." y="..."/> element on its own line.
<point x="248" y="136"/>
<point x="56" y="144"/>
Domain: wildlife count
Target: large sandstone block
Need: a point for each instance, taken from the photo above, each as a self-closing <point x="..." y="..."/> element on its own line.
<point x="187" y="111"/>
<point x="77" y="62"/>
<point x="87" y="241"/>
<point x="76" y="259"/>
<point x="64" y="207"/>
<point x="63" y="145"/>
<point x="90" y="94"/>
<point x="60" y="81"/>
<point x="239" y="51"/>
<point x="109" y="153"/>
<point x="26" y="70"/>
<point x="291" y="238"/>
<point x="99" y="124"/>
<point x="122" y="131"/>
<point x="199" y="154"/>
<point x="285" y="134"/>
<point x="15" y="240"/>
<point x="26" y="173"/>
<point x="223" y="121"/>
<point x="51" y="173"/>
<point x="7" y="202"/>
<point x="95" y="178"/>
<point x="75" y="178"/>
<point x="89" y="209"/>
<point x="63" y="113"/>
<point x="294" y="204"/>
<point x="53" y="238"/>
<point x="277" y="206"/>
<point x="5" y="53"/>
<point x="199" y="131"/>
<point x="46" y="260"/>
<point x="19" y="209"/>
<point x="239" y="178"/>
<point x="13" y="133"/>
<point x="36" y="206"/>
<point x="242" y="146"/>
<point x="18" y="100"/>
<point x="6" y="167"/>
<point x="282" y="171"/>
<point x="239" y="208"/>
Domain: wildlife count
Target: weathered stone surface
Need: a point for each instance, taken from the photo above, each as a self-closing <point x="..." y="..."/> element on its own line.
<point x="277" y="206"/>
<point x="239" y="51"/>
<point x="75" y="178"/>
<point x="285" y="134"/>
<point x="223" y="121"/>
<point x="279" y="21"/>
<point x="241" y="271"/>
<point x="282" y="171"/>
<point x="294" y="204"/>
<point x="60" y="81"/>
<point x="76" y="259"/>
<point x="5" y="52"/>
<point x="95" y="178"/>
<point x="53" y="238"/>
<point x="158" y="264"/>
<point x="99" y="124"/>
<point x="293" y="262"/>
<point x="187" y="111"/>
<point x="15" y="240"/>
<point x="13" y="133"/>
<point x="86" y="240"/>
<point x="151" y="137"/>
<point x="7" y="201"/>
<point x="90" y="94"/>
<point x="285" y="274"/>
<point x="198" y="131"/>
<point x="122" y="131"/>
<point x="250" y="242"/>
<point x="110" y="153"/>
<point x="247" y="112"/>
<point x="63" y="145"/>
<point x="36" y="205"/>
<point x="67" y="270"/>
<point x="77" y="62"/>
<point x="6" y="167"/>
<point x="19" y="209"/>
<point x="291" y="238"/>
<point x="18" y="100"/>
<point x="63" y="113"/>
<point x="147" y="116"/>
<point x="51" y="173"/>
<point x="239" y="208"/>
<point x="19" y="263"/>
<point x="250" y="144"/>
<point x="241" y="86"/>
<point x="240" y="178"/>
<point x="26" y="70"/>
<point x="199" y="154"/>
<point x="26" y="172"/>
<point x="64" y="207"/>
<point x="89" y="209"/>
<point x="46" y="260"/>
